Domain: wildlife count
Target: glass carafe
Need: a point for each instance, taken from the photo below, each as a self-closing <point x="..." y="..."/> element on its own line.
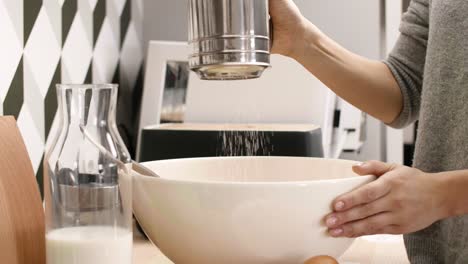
<point x="87" y="194"/>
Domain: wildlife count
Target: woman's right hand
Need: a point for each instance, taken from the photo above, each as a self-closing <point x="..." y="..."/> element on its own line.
<point x="288" y="26"/>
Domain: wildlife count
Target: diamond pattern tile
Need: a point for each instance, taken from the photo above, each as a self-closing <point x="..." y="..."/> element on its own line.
<point x="124" y="20"/>
<point x="106" y="55"/>
<point x="14" y="98"/>
<point x="14" y="10"/>
<point x="116" y="77"/>
<point x="31" y="12"/>
<point x="131" y="55"/>
<point x="74" y="63"/>
<point x="53" y="132"/>
<point x="69" y="9"/>
<point x="40" y="177"/>
<point x="10" y="52"/>
<point x="92" y="3"/>
<point x="45" y="42"/>
<point x="85" y="11"/>
<point x="33" y="99"/>
<point x="31" y="136"/>
<point x="99" y="14"/>
<point x="130" y="96"/>
<point x="118" y="6"/>
<point x="89" y="75"/>
<point x="42" y="51"/>
<point x="113" y="15"/>
<point x="137" y="15"/>
<point x="53" y="9"/>
<point x="50" y="100"/>
<point x="130" y="81"/>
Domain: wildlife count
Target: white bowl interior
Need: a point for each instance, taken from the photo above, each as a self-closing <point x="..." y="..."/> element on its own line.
<point x="252" y="169"/>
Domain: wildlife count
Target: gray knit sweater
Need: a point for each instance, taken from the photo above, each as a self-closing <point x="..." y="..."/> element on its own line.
<point x="430" y="63"/>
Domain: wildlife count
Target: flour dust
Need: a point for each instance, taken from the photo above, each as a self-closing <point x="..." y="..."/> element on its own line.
<point x="244" y="143"/>
<point x="241" y="136"/>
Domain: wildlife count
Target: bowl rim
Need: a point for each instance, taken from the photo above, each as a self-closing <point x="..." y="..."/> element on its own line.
<point x="254" y="183"/>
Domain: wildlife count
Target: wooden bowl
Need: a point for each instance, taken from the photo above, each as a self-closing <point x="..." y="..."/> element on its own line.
<point x="22" y="232"/>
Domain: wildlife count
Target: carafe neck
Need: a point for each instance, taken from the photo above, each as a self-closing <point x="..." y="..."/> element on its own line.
<point x="89" y="106"/>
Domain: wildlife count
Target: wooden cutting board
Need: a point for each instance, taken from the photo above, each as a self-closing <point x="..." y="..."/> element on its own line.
<point x="22" y="237"/>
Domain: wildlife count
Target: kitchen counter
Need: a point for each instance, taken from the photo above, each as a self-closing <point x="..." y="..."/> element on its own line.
<point x="366" y="250"/>
<point x="144" y="252"/>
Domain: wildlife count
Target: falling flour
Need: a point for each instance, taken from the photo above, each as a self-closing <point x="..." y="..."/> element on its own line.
<point x="244" y="140"/>
<point x="244" y="143"/>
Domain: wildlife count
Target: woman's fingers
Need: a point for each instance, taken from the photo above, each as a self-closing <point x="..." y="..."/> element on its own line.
<point x="373" y="167"/>
<point x="363" y="195"/>
<point x="377" y="224"/>
<point x="357" y="213"/>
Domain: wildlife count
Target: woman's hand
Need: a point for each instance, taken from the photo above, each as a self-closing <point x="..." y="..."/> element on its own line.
<point x="288" y="26"/>
<point x="402" y="200"/>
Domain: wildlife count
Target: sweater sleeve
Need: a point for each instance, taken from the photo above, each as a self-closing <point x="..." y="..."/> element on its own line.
<point x="407" y="59"/>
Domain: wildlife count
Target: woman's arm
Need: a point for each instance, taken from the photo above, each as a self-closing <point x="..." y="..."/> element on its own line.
<point x="392" y="94"/>
<point x="367" y="84"/>
<point x="455" y="186"/>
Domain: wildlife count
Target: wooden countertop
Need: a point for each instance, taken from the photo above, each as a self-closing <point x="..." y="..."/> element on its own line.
<point x="366" y="250"/>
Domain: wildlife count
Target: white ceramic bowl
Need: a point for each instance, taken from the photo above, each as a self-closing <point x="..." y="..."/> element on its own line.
<point x="242" y="210"/>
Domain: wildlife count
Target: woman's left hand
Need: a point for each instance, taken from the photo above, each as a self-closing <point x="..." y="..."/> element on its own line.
<point x="402" y="200"/>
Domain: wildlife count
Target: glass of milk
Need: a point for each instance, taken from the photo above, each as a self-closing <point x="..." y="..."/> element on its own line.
<point x="88" y="197"/>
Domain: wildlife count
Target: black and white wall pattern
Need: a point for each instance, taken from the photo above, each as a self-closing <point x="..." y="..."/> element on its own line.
<point x="45" y="42"/>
